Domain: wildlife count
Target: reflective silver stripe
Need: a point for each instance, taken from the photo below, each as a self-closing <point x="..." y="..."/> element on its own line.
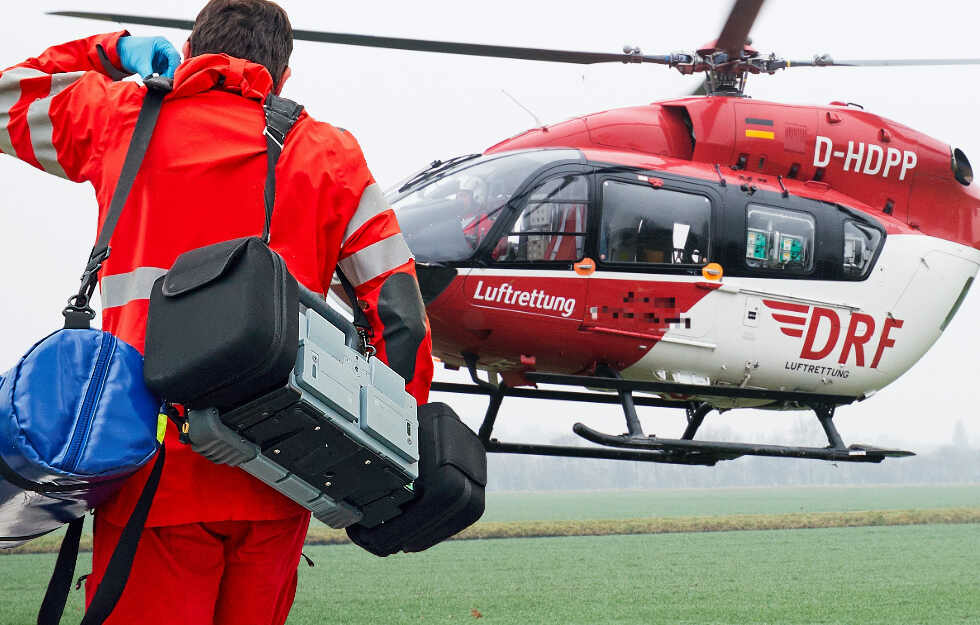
<point x="375" y="259"/>
<point x="10" y="93"/>
<point x="123" y="288"/>
<point x="41" y="127"/>
<point x="372" y="204"/>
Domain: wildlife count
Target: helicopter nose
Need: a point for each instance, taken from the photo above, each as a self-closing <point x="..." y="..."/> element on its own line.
<point x="433" y="279"/>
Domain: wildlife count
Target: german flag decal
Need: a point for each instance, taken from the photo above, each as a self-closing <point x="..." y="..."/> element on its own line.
<point x="758" y="128"/>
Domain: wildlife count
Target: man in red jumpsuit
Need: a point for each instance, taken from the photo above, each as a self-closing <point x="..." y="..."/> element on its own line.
<point x="220" y="547"/>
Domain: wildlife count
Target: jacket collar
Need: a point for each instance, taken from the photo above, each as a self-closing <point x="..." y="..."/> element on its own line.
<point x="210" y="71"/>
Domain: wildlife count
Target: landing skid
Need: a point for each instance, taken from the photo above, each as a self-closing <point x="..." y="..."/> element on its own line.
<point x="853" y="453"/>
<point x="637" y="446"/>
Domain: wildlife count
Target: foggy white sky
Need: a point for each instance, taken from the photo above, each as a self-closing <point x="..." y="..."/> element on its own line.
<point x="409" y="108"/>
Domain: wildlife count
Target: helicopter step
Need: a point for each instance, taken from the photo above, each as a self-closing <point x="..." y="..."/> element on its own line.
<point x="636" y="445"/>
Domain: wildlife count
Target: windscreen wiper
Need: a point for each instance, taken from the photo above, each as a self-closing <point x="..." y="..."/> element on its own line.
<point x="434" y="168"/>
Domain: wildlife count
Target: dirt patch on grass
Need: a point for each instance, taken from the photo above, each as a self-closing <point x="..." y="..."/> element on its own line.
<point x="322" y="535"/>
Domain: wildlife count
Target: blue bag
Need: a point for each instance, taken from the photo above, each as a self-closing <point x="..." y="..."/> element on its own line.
<point x="76" y="419"/>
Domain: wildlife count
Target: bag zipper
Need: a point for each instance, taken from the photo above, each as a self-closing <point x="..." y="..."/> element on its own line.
<point x="92" y="393"/>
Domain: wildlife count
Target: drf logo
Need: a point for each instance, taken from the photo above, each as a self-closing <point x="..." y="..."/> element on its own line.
<point x="825" y="323"/>
<point x="869" y="159"/>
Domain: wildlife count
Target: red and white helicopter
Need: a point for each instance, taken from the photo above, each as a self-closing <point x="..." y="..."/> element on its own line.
<point x="710" y="252"/>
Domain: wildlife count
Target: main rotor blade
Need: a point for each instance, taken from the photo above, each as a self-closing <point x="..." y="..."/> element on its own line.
<point x="397" y="43"/>
<point x="164" y="22"/>
<point x="826" y="61"/>
<point x="736" y="30"/>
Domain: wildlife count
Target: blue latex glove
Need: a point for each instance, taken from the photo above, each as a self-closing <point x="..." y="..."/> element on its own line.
<point x="148" y="55"/>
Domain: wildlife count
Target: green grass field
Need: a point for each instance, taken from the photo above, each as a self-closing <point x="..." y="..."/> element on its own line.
<point x="511" y="514"/>
<point x="848" y="575"/>
<point x="636" y="504"/>
<point x="887" y="575"/>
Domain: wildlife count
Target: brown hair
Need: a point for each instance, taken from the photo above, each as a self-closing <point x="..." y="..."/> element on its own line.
<point x="255" y="30"/>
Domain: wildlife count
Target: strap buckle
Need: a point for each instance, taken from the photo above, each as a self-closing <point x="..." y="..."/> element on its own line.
<point x="78" y="314"/>
<point x="95" y="264"/>
<point x="367" y="348"/>
<point x="181" y="421"/>
<point x="280" y="115"/>
<point x="280" y="140"/>
<point x="157" y="82"/>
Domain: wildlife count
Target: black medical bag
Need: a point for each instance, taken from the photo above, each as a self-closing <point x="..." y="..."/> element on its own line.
<point x="222" y="323"/>
<point x="222" y="326"/>
<point x="449" y="492"/>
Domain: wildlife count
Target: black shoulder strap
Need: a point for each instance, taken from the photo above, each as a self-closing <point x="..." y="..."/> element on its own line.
<point x="280" y="116"/>
<point x="360" y="319"/>
<point x="53" y="604"/>
<point x="79" y="313"/>
<point x="117" y="571"/>
<point x="121" y="562"/>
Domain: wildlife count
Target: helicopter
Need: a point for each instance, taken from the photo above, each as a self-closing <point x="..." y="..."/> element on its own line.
<point x="704" y="253"/>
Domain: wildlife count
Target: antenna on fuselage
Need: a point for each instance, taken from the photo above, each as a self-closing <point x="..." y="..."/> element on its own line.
<point x="537" y="122"/>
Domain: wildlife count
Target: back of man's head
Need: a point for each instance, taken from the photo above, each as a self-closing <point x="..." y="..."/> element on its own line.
<point x="255" y="30"/>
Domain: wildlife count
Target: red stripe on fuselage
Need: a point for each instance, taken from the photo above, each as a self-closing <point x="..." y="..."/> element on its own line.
<point x="789" y="319"/>
<point x="612" y="321"/>
<point x="797" y="308"/>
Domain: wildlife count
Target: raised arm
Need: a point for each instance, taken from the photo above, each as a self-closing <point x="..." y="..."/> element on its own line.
<point x="54" y="108"/>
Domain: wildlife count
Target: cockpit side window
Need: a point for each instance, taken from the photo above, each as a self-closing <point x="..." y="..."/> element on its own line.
<point x="860" y="245"/>
<point x="779" y="239"/>
<point x="643" y="224"/>
<point x="552" y="226"/>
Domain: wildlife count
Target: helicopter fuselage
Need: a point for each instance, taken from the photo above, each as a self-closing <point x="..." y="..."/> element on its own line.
<point x="840" y="243"/>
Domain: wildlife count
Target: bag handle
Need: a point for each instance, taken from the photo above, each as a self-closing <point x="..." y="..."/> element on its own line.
<point x="78" y="313"/>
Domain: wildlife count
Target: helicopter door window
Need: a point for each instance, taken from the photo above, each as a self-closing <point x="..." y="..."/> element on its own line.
<point x="641" y="224"/>
<point x="552" y="226"/>
<point x="860" y="245"/>
<point x="779" y="239"/>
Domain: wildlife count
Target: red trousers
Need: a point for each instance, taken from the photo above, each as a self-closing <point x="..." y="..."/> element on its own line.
<point x="223" y="573"/>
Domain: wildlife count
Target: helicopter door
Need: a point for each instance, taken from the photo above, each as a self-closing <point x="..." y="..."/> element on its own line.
<point x="653" y="242"/>
<point x="529" y="279"/>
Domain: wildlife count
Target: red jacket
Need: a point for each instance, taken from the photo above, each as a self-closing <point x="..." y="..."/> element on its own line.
<point x="202" y="182"/>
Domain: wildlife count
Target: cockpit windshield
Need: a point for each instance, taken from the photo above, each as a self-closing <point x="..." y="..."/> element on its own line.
<point x="447" y="216"/>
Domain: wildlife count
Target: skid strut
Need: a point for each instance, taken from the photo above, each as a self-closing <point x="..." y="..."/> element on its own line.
<point x="695" y="417"/>
<point x="637" y="446"/>
<point x="629" y="406"/>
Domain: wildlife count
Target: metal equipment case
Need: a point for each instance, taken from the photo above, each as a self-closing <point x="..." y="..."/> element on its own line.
<point x="340" y="437"/>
